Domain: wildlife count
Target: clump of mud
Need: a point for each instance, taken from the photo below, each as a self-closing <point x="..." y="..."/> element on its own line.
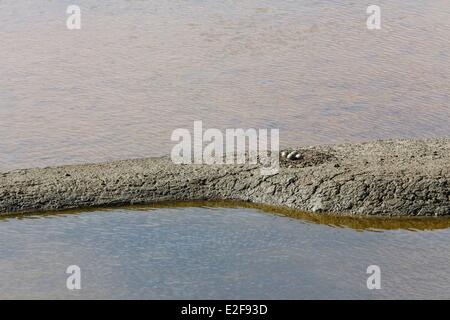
<point x="304" y="157"/>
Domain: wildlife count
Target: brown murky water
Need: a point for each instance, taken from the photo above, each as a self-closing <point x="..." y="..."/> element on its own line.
<point x="139" y="69"/>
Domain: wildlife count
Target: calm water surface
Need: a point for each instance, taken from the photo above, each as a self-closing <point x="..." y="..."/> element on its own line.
<point x="208" y="252"/>
<point x="137" y="70"/>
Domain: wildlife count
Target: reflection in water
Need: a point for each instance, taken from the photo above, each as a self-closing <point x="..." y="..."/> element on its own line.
<point x="332" y="220"/>
<point x="139" y="69"/>
<point x="376" y="224"/>
<point x="218" y="252"/>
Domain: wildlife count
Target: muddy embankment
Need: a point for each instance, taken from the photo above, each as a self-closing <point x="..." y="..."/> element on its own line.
<point x="383" y="178"/>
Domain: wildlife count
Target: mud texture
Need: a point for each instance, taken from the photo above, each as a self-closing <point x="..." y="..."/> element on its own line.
<point x="384" y="178"/>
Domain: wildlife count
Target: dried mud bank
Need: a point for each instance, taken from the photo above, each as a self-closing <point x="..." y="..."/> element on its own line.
<point x="383" y="178"/>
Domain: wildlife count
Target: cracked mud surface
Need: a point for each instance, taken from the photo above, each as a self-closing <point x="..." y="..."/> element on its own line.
<point x="384" y="178"/>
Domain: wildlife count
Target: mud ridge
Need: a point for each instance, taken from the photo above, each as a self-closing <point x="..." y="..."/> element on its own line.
<point x="382" y="178"/>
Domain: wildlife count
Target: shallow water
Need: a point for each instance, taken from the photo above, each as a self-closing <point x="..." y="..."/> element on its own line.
<point x="137" y="70"/>
<point x="211" y="252"/>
